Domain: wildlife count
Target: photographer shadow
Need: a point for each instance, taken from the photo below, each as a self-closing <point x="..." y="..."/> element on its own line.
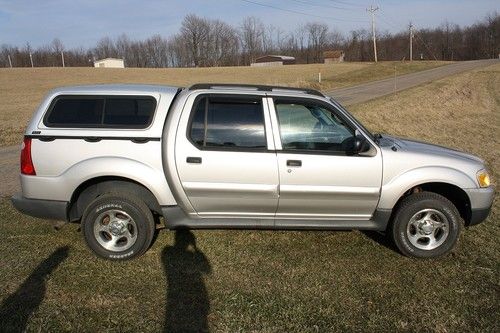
<point x="187" y="301"/>
<point x="16" y="310"/>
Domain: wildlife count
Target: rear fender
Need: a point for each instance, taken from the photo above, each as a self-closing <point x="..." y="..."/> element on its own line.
<point x="63" y="186"/>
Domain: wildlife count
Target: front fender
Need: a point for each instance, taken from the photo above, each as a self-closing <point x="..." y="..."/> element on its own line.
<point x="397" y="186"/>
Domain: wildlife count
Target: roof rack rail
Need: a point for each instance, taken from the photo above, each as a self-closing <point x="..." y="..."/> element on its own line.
<point x="253" y="86"/>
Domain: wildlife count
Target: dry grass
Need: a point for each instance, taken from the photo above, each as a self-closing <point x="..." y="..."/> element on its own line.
<point x="462" y="112"/>
<point x="256" y="281"/>
<point x="22" y="89"/>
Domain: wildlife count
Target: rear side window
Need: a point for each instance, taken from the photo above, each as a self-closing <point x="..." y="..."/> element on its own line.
<point x="75" y="112"/>
<point x="228" y="123"/>
<point x="101" y="111"/>
<point x="129" y="111"/>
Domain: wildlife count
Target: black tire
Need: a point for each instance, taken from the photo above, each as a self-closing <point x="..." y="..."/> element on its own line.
<point x="127" y="211"/>
<point x="410" y="239"/>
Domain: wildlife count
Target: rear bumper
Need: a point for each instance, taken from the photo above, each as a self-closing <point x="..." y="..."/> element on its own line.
<point x="44" y="209"/>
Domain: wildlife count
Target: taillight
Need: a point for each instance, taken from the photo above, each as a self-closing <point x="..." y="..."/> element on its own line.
<point x="27" y="167"/>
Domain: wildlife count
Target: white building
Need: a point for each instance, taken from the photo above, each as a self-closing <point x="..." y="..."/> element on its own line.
<point x="109" y="63"/>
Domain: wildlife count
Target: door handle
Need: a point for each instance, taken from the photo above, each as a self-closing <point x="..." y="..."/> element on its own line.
<point x="294" y="163"/>
<point x="196" y="160"/>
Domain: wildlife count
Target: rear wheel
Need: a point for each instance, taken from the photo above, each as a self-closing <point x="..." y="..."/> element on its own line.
<point x="426" y="225"/>
<point x="118" y="226"/>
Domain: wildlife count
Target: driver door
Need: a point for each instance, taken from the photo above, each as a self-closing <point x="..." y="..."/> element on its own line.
<point x="320" y="177"/>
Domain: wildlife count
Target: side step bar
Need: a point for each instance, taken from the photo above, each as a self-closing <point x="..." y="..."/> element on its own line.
<point x="175" y="218"/>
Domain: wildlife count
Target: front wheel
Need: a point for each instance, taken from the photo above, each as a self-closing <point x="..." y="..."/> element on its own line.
<point x="426" y="225"/>
<point x="118" y="226"/>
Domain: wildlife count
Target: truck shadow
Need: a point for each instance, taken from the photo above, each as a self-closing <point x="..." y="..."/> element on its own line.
<point x="187" y="297"/>
<point x="18" y="307"/>
<point x="381" y="239"/>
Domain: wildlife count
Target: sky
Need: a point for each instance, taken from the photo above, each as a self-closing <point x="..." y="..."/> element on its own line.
<point x="83" y="22"/>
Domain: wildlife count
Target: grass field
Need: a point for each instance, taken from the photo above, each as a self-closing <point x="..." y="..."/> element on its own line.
<point x="261" y="281"/>
<point x="22" y="89"/>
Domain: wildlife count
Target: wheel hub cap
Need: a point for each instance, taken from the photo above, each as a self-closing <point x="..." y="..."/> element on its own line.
<point x="426" y="227"/>
<point x="117" y="228"/>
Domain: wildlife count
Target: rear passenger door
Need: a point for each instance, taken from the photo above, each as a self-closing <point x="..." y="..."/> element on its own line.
<point x="226" y="159"/>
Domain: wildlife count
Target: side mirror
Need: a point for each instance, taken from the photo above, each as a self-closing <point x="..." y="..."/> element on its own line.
<point x="357" y="144"/>
<point x="361" y="145"/>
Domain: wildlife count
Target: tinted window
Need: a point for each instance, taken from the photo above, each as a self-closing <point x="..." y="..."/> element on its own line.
<point x="124" y="112"/>
<point x="74" y="112"/>
<point x="308" y="126"/>
<point x="198" y="123"/>
<point x="229" y="123"/>
<point x="129" y="111"/>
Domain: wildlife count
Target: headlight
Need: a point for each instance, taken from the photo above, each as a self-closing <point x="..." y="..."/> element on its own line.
<point x="483" y="178"/>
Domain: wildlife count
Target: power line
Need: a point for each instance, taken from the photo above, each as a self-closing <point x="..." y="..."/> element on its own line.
<point x="345" y="3"/>
<point x="425" y="44"/>
<point x="385" y="20"/>
<point x="299" y="12"/>
<point x="325" y="5"/>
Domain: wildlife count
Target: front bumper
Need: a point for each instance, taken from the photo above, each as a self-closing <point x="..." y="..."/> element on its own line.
<point x="44" y="209"/>
<point x="481" y="200"/>
<point x="479" y="215"/>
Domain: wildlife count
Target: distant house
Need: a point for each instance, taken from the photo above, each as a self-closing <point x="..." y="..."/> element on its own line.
<point x="273" y="60"/>
<point x="333" y="56"/>
<point x="109" y="63"/>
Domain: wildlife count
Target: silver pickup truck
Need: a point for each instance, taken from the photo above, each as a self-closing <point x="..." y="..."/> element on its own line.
<point x="123" y="158"/>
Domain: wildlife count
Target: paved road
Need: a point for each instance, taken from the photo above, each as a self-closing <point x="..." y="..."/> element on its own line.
<point x="9" y="156"/>
<point x="371" y="90"/>
<point x="9" y="170"/>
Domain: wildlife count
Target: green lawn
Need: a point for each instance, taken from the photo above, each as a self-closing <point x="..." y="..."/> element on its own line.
<point x="243" y="281"/>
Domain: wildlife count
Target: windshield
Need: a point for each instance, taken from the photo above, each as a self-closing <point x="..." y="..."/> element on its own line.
<point x="353" y="119"/>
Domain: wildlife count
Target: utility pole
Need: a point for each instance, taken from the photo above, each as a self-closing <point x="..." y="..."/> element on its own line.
<point x="372" y="10"/>
<point x="62" y="57"/>
<point x="10" y="61"/>
<point x="31" y="60"/>
<point x="411" y="41"/>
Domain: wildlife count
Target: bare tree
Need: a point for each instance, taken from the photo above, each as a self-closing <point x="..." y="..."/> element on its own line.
<point x="194" y="32"/>
<point x="206" y="42"/>
<point x="178" y="52"/>
<point x="57" y="45"/>
<point x="122" y="46"/>
<point x="222" y="44"/>
<point x="156" y="48"/>
<point x="317" y="39"/>
<point x="251" y="33"/>
<point x="105" y="48"/>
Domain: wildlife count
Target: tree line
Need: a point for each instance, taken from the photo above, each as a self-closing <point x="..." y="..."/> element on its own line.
<point x="203" y="42"/>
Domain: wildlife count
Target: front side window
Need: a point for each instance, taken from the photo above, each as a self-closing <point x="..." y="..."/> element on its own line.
<point x="229" y="123"/>
<point x="101" y="111"/>
<point x="306" y="125"/>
